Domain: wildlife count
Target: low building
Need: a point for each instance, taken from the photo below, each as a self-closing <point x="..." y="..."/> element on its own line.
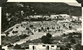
<point x="46" y="16"/>
<point x="54" y="16"/>
<point x="42" y="47"/>
<point x="37" y="16"/>
<point x="65" y="16"/>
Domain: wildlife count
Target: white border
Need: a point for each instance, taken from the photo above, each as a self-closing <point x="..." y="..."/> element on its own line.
<point x="0" y="25"/>
<point x="82" y="25"/>
<point x="41" y="0"/>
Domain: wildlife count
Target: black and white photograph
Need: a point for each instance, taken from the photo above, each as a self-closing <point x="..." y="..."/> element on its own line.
<point x="41" y="26"/>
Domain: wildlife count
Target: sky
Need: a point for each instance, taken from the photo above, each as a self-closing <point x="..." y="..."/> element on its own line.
<point x="70" y="2"/>
<point x="74" y="3"/>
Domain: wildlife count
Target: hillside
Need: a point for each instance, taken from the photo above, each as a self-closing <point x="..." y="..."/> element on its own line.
<point x="76" y="11"/>
<point x="14" y="9"/>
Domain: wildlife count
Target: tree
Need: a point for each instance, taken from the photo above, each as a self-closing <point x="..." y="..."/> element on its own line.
<point x="78" y="47"/>
<point x="2" y="37"/>
<point x="47" y="28"/>
<point x="17" y="46"/>
<point x="64" y="34"/>
<point x="68" y="45"/>
<point x="7" y="33"/>
<point x="48" y="35"/>
<point x="23" y="36"/>
<point x="10" y="45"/>
<point x="12" y="9"/>
<point x="70" y="37"/>
<point x="46" y="39"/>
<point x="31" y="26"/>
<point x="73" y="41"/>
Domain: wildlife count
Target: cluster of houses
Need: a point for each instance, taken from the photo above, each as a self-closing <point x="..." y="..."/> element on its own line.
<point x="21" y="28"/>
<point x="42" y="47"/>
<point x="64" y="20"/>
<point x="65" y="17"/>
<point x="38" y="47"/>
<point x="17" y="29"/>
<point x="59" y="16"/>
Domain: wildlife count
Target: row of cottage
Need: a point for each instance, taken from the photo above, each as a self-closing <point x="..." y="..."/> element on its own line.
<point x="65" y="16"/>
<point x="52" y="16"/>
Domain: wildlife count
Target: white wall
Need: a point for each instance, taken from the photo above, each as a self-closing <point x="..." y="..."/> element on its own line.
<point x="41" y="47"/>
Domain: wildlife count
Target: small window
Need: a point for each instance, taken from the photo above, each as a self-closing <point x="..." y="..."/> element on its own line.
<point x="52" y="46"/>
<point x="43" y="45"/>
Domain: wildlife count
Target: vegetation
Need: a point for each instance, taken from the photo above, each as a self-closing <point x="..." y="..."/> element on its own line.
<point x="23" y="36"/>
<point x="39" y="9"/>
<point x="17" y="46"/>
<point x="73" y="38"/>
<point x="73" y="41"/>
<point x="12" y="39"/>
<point x="46" y="39"/>
<point x="79" y="47"/>
<point x="16" y="16"/>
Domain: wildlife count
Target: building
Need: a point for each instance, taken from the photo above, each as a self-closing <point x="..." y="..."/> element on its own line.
<point x="42" y="47"/>
<point x="37" y="16"/>
<point x="54" y="16"/>
<point x="46" y="16"/>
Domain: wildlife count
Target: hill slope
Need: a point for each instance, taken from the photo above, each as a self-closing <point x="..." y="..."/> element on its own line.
<point x="34" y="8"/>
